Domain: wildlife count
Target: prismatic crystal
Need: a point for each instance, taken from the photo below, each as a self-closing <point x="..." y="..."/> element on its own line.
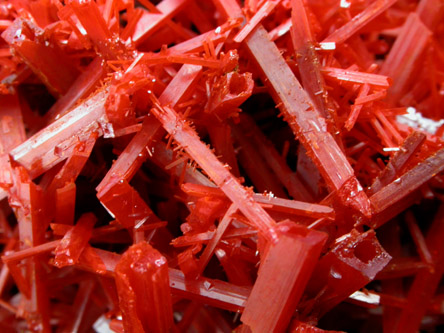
<point x="221" y="166"/>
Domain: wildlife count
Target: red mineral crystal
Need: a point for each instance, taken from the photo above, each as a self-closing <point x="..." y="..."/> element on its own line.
<point x="287" y="266"/>
<point x="144" y="292"/>
<point x="223" y="165"/>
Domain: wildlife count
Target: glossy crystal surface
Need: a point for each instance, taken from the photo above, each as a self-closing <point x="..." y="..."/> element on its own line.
<point x="221" y="166"/>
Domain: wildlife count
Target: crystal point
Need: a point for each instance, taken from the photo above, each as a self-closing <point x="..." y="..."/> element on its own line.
<point x="144" y="293"/>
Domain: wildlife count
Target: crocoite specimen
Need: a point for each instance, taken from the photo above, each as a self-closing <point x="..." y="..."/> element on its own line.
<point x="223" y="165"/>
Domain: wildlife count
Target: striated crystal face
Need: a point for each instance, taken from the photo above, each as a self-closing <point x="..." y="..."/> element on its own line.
<point x="144" y="293"/>
<point x="221" y="166"/>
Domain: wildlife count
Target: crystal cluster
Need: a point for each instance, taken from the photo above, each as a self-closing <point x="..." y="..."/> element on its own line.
<point x="222" y="165"/>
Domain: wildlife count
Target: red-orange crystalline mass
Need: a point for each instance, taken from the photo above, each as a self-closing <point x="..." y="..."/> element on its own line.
<point x="222" y="166"/>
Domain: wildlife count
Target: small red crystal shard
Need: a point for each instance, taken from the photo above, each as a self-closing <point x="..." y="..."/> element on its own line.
<point x="47" y="61"/>
<point x="353" y="262"/>
<point x="74" y="241"/>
